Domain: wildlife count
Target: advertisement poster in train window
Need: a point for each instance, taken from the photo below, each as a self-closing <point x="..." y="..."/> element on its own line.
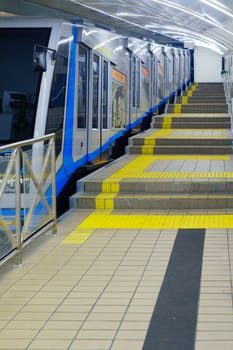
<point x="160" y="81"/>
<point x="145" y="88"/>
<point x="119" y="99"/>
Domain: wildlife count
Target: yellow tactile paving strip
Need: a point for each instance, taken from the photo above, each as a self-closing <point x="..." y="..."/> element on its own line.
<point x="150" y="140"/>
<point x="137" y="168"/>
<point x="115" y="221"/>
<point x="78" y="236"/>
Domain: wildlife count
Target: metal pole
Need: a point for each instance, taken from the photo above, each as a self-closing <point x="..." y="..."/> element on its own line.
<point x="54" y="200"/>
<point x="18" y="209"/>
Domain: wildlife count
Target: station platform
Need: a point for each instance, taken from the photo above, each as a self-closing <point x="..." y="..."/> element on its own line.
<point x="125" y="279"/>
<point x="143" y="260"/>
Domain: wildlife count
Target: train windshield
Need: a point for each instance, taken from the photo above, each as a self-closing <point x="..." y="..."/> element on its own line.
<point x="19" y="84"/>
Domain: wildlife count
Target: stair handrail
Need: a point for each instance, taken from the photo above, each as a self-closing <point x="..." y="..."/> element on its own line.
<point x="27" y="194"/>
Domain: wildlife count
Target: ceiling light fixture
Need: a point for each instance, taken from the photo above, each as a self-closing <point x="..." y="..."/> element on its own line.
<point x="217" y="6"/>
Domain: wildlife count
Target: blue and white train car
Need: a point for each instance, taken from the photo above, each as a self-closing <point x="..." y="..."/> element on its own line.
<point x="89" y="86"/>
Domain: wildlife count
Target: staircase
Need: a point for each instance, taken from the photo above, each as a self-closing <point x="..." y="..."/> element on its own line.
<point x="182" y="163"/>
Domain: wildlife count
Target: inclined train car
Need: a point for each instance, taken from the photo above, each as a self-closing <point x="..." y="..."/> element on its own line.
<point x="89" y="86"/>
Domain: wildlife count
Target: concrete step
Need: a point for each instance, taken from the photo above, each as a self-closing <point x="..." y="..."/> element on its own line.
<point x="158" y="186"/>
<point x="140" y="141"/>
<point x="199" y="108"/>
<point x="174" y="149"/>
<point x="153" y="202"/>
<point x="192" y="119"/>
<point x="176" y="124"/>
<point x="202" y="99"/>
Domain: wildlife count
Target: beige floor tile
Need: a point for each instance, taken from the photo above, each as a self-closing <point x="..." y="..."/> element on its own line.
<point x="216" y="310"/>
<point x="53" y="294"/>
<point x="63" y="325"/>
<point x="141" y="308"/>
<point x="215" y="296"/>
<point x="134" y="334"/>
<point x="9" y="307"/>
<point x="8" y="333"/>
<point x="214" y="345"/>
<point x="110" y="308"/>
<point x="44" y="301"/>
<point x="113" y="302"/>
<point x="57" y="334"/>
<point x="215" y="326"/>
<point x="103" y="325"/>
<point x="215" y="318"/>
<point x="68" y="316"/>
<point x="215" y="303"/>
<point x="127" y="344"/>
<point x="33" y="308"/>
<point x="83" y="295"/>
<point x="7" y="315"/>
<point x="91" y="345"/>
<point x="134" y="325"/>
<point x="16" y="344"/>
<point x="133" y="316"/>
<point x="96" y="334"/>
<point x="49" y="344"/>
<point x="21" y="324"/>
<point x="105" y="316"/>
<point x="32" y="316"/>
<point x="214" y="335"/>
<point x="117" y="295"/>
<point x="214" y="289"/>
<point x="144" y="302"/>
<point x="74" y="308"/>
<point x="13" y="293"/>
<point x="13" y="301"/>
<point x="69" y="301"/>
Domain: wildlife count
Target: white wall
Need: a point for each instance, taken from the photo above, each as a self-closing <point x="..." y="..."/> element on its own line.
<point x="207" y="65"/>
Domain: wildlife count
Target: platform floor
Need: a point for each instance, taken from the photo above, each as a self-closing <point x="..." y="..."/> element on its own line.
<point x="127" y="280"/>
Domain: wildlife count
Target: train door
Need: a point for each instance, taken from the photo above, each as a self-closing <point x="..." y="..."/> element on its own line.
<point x="99" y="105"/>
<point x="154" y="80"/>
<point x="135" y="87"/>
<point x="166" y="75"/>
<point x="82" y="100"/>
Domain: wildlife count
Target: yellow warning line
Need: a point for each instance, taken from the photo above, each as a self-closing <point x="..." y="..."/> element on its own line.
<point x="105" y="201"/>
<point x="167" y="121"/>
<point x="177" y="108"/>
<point x="114" y="221"/>
<point x="137" y="167"/>
<point x="184" y="100"/>
<point x="100" y="220"/>
<point x="78" y="236"/>
<point x="151" y="139"/>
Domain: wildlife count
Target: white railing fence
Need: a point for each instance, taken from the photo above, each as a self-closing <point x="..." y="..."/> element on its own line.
<point x="27" y="194"/>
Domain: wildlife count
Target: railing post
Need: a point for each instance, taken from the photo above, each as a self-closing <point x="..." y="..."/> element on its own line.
<point x="54" y="200"/>
<point x="18" y="209"/>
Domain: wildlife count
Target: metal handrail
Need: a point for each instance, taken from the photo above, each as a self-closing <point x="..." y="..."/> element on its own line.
<point x="41" y="192"/>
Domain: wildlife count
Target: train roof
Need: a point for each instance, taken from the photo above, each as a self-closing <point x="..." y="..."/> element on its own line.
<point x="204" y="23"/>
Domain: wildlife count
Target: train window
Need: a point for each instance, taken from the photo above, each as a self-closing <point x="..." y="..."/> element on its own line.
<point x="155" y="78"/>
<point x="56" y="108"/>
<point x="105" y="96"/>
<point x="119" y="99"/>
<point x="145" y="89"/>
<point x="96" y="81"/>
<point x="136" y="82"/>
<point x="19" y="84"/>
<point x="82" y="86"/>
<point x="133" y="82"/>
<point x="138" y="85"/>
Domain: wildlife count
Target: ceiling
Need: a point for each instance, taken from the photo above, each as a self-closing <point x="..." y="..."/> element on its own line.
<point x="206" y="23"/>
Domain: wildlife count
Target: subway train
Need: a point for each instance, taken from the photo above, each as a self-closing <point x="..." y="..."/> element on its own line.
<point x="90" y="86"/>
